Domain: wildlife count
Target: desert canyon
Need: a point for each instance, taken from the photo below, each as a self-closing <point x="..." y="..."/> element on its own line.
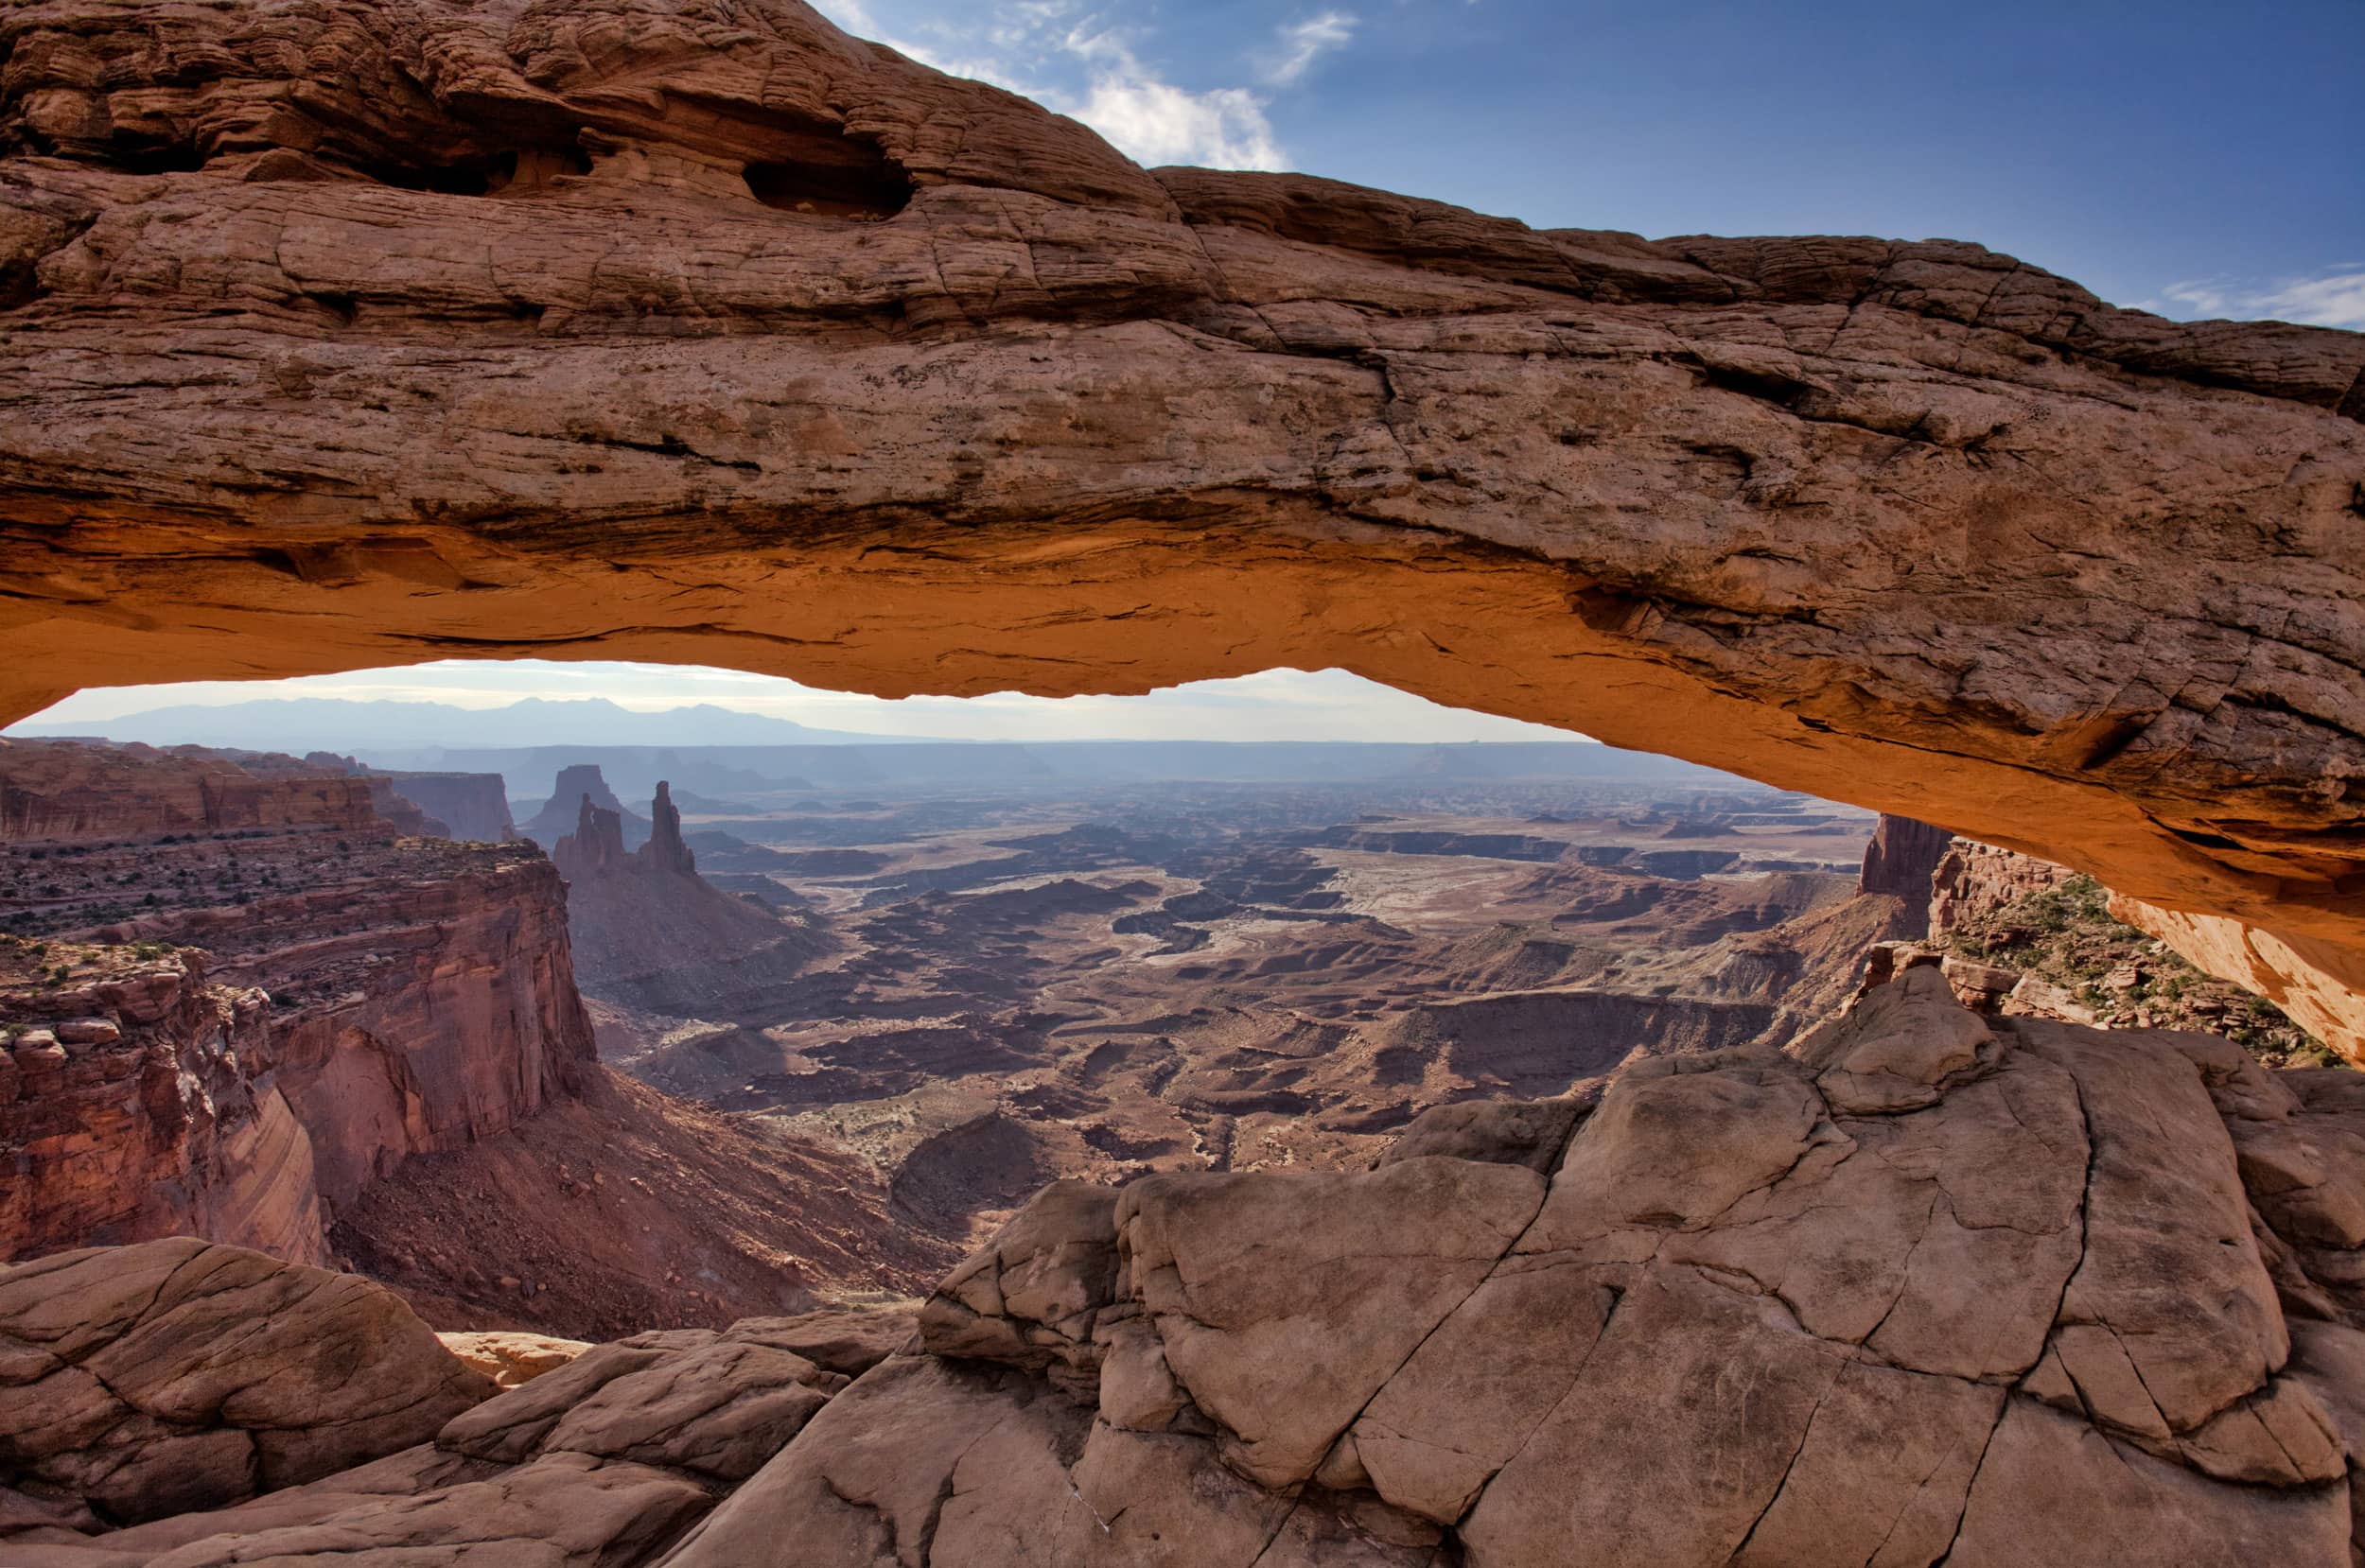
<point x="1911" y="1117"/>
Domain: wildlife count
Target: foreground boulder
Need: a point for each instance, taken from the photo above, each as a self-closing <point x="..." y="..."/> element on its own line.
<point x="599" y="1460"/>
<point x="150" y="1380"/>
<point x="1937" y="1287"/>
<point x="1940" y="1286"/>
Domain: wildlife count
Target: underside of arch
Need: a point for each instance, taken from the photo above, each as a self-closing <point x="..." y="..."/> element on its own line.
<point x="345" y="335"/>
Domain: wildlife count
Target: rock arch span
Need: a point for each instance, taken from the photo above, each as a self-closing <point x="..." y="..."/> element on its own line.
<point x="345" y="334"/>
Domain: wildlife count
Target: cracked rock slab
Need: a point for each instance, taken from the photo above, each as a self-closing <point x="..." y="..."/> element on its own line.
<point x="178" y="1374"/>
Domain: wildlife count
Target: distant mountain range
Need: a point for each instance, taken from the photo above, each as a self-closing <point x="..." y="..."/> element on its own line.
<point x="724" y="752"/>
<point x="300" y="724"/>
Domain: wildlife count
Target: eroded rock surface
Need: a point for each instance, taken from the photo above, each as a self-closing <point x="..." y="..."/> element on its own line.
<point x="176" y="1375"/>
<point x="59" y="791"/>
<point x="649" y="932"/>
<point x="1942" y="1283"/>
<point x="613" y="327"/>
<point x="132" y="1107"/>
<point x="1939" y="1287"/>
<point x="598" y="1461"/>
<point x="396" y="996"/>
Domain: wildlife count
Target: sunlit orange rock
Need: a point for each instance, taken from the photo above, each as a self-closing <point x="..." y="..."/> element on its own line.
<point x="346" y="335"/>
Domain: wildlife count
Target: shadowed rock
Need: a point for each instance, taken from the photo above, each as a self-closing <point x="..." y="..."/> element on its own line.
<point x="176" y="1374"/>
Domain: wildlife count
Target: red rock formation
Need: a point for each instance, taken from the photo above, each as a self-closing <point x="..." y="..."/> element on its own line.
<point x="894" y="381"/>
<point x="470" y="806"/>
<point x="595" y="848"/>
<point x="665" y="851"/>
<point x="62" y="791"/>
<point x="417" y="1006"/>
<point x="2299" y="976"/>
<point x="650" y="933"/>
<point x="578" y="782"/>
<point x="403" y="815"/>
<point x="1900" y="862"/>
<point x="1973" y="883"/>
<point x="421" y="996"/>
<point x="131" y="1109"/>
<point x="463" y="1019"/>
<point x="181" y="1375"/>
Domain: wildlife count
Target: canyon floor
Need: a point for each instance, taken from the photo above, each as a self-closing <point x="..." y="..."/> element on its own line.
<point x="1009" y="986"/>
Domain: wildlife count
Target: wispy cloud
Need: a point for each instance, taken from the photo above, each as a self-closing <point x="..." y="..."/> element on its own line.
<point x="1301" y="44"/>
<point x="2333" y="297"/>
<point x="1156" y="122"/>
<point x="1071" y="58"/>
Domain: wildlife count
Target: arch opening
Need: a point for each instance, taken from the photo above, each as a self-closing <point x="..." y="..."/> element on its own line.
<point x="1264" y="922"/>
<point x="1132" y="605"/>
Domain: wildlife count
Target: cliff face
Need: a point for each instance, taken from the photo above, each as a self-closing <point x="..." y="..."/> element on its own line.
<point x="422" y="1001"/>
<point x="2023" y="935"/>
<point x="382" y="997"/>
<point x="60" y="790"/>
<point x="1971" y="883"/>
<point x="471" y="805"/>
<point x="1898" y="864"/>
<point x="134" y="1103"/>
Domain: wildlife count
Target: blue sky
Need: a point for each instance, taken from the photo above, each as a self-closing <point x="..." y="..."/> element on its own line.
<point x="2195" y="160"/>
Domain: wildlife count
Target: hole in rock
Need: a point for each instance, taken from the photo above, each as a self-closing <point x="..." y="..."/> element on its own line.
<point x="832" y="176"/>
<point x="509" y="172"/>
<point x="771" y="971"/>
<point x="176" y="158"/>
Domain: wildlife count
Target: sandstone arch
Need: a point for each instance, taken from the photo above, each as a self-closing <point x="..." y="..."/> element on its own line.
<point x="350" y="333"/>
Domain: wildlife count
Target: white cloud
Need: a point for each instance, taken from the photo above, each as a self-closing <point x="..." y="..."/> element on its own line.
<point x="1156" y="122"/>
<point x="2335" y="297"/>
<point x="1304" y="43"/>
<point x="1070" y="60"/>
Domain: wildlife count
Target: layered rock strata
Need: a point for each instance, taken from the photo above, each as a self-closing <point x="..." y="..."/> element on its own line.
<point x="357" y="1000"/>
<point x="422" y="998"/>
<point x="1901" y="862"/>
<point x="66" y="791"/>
<point x="604" y="329"/>
<point x="472" y="807"/>
<point x="132" y="1107"/>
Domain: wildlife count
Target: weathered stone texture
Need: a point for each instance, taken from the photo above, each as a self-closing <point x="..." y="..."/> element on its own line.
<point x="2079" y="1298"/>
<point x="345" y="334"/>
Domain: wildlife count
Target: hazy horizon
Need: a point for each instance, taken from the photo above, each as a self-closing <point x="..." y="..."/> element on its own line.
<point x="1272" y="704"/>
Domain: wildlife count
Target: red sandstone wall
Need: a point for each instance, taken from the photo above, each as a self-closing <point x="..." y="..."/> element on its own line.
<point x="411" y="1017"/>
<point x="160" y="1130"/>
<point x="60" y="790"/>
